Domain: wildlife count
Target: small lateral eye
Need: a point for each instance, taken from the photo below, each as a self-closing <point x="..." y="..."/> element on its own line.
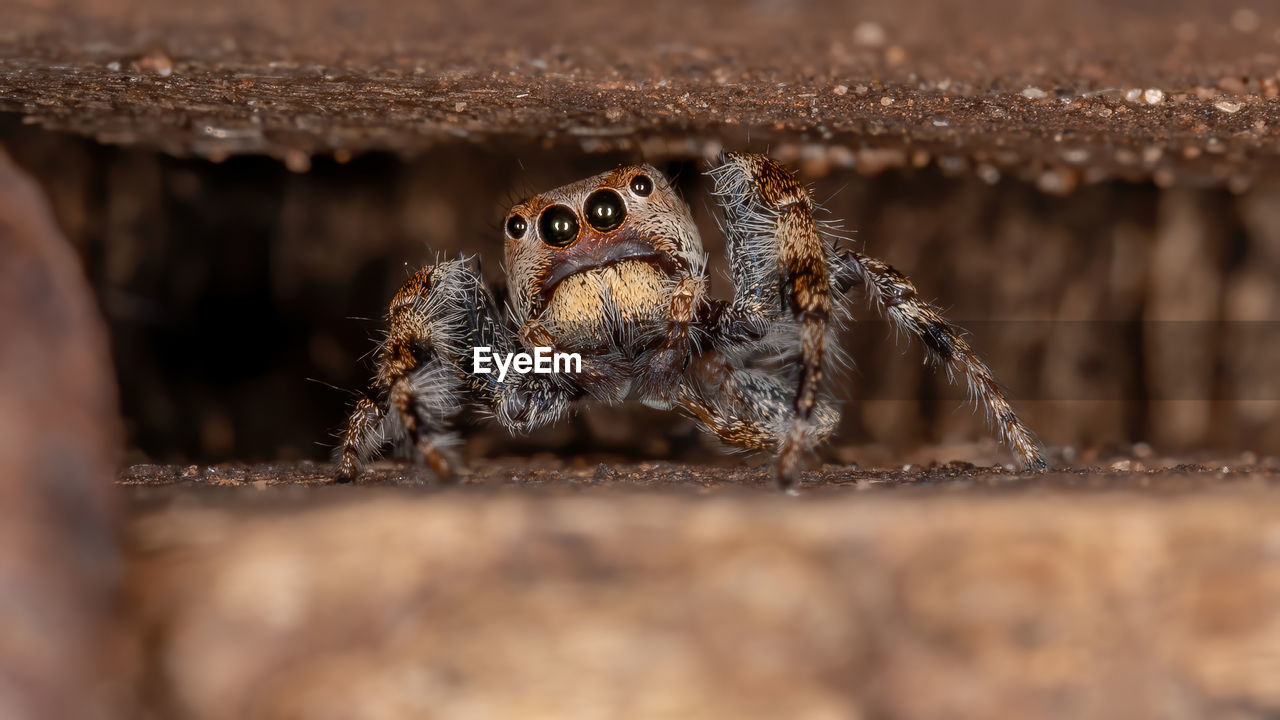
<point x="641" y="185"/>
<point x="558" y="226"/>
<point x="516" y="227"/>
<point x="605" y="210"/>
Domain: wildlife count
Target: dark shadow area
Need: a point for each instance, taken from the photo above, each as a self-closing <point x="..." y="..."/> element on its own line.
<point x="243" y="298"/>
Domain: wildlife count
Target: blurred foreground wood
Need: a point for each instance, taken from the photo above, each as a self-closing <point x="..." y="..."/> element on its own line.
<point x="1090" y="188"/>
<point x="585" y="600"/>
<point x="60" y="434"/>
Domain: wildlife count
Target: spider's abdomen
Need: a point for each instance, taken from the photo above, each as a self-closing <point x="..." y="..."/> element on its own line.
<point x="609" y="306"/>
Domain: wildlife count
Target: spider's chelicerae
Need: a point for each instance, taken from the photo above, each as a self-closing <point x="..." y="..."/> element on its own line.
<point x="612" y="268"/>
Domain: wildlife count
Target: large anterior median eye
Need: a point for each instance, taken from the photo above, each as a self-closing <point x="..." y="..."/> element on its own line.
<point x="605" y="210"/>
<point x="558" y="226"/>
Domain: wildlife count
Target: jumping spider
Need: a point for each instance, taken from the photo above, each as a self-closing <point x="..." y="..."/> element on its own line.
<point x="612" y="268"/>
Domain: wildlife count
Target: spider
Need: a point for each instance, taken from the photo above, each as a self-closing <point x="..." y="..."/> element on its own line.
<point x="612" y="268"/>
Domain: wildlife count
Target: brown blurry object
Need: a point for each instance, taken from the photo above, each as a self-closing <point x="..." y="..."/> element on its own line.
<point x="59" y="441"/>
<point x="903" y="604"/>
<point x="1185" y="290"/>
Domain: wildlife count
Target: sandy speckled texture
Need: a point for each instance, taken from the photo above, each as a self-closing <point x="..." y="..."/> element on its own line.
<point x="1059" y="93"/>
<point x="589" y="599"/>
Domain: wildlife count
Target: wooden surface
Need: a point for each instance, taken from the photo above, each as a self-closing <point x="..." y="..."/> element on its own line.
<point x="1059" y="93"/>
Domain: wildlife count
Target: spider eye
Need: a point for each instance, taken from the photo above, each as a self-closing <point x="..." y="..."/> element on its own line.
<point x="605" y="210"/>
<point x="641" y="185"/>
<point x="558" y="225"/>
<point x="516" y="227"/>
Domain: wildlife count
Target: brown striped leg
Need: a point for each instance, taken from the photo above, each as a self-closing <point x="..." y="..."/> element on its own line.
<point x="778" y="262"/>
<point x="364" y="435"/>
<point x="749" y="409"/>
<point x="894" y="295"/>
<point x="417" y="402"/>
<point x="423" y="375"/>
<point x="422" y="428"/>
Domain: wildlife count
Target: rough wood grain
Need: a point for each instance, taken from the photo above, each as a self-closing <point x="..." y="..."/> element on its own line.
<point x="1060" y="93"/>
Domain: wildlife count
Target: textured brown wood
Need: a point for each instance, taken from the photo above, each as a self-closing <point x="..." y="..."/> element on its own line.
<point x="1060" y="93"/>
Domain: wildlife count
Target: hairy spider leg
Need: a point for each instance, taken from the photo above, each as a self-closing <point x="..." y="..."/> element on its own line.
<point x="779" y="266"/>
<point x="425" y="376"/>
<point x="745" y="407"/>
<point x="894" y="296"/>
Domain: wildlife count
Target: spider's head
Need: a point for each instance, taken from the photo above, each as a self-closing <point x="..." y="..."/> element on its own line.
<point x="604" y="247"/>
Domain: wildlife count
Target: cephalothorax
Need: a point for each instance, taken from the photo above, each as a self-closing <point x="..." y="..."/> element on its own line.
<point x="612" y="268"/>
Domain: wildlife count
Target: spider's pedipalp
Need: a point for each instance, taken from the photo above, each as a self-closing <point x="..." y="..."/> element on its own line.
<point x="895" y="296"/>
<point x="677" y="344"/>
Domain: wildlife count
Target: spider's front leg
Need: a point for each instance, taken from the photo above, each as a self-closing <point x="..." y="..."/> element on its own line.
<point x="425" y="375"/>
<point x="784" y="274"/>
<point x="779" y="266"/>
